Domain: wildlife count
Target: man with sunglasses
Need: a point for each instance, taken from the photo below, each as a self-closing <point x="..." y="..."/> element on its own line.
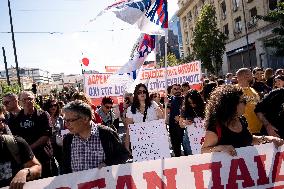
<point x="88" y="145"/>
<point x="106" y="112"/>
<point x="35" y="127"/>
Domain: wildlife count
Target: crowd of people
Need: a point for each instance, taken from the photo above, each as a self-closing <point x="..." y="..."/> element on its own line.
<point x="42" y="138"/>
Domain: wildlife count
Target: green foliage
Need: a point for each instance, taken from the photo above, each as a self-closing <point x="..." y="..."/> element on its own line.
<point x="187" y="59"/>
<point x="278" y="41"/>
<point x="172" y="60"/>
<point x="14" y="88"/>
<point x="208" y="41"/>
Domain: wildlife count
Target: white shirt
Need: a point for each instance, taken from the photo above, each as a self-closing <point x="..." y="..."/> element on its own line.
<point x="138" y="117"/>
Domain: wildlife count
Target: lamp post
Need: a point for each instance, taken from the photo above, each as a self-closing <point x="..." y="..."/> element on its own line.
<point x="246" y="30"/>
<point x="14" y="44"/>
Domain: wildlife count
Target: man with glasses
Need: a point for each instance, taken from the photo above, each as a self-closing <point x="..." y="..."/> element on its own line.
<point x="88" y="145"/>
<point x="106" y="112"/>
<point x="35" y="127"/>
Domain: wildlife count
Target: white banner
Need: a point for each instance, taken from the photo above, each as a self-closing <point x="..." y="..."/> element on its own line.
<point x="155" y="78"/>
<point x="256" y="167"/>
<point x="149" y="140"/>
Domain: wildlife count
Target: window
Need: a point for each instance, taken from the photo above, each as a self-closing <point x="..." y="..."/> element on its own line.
<point x="249" y="1"/>
<point x="189" y="16"/>
<point x="226" y="29"/>
<point x="253" y="19"/>
<point x="272" y="4"/>
<point x="195" y="10"/>
<point x="238" y="25"/>
<point x="236" y="4"/>
<point x="223" y="8"/>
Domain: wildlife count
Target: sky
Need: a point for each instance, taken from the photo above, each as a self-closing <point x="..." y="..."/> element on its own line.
<point x="55" y="35"/>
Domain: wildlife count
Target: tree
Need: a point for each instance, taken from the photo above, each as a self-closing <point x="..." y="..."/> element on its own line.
<point x="208" y="41"/>
<point x="278" y="41"/>
<point x="172" y="61"/>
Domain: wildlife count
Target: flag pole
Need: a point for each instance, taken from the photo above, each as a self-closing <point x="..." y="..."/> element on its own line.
<point x="166" y="70"/>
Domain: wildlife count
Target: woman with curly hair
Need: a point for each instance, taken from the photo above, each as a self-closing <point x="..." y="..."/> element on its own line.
<point x="225" y="124"/>
<point x="141" y="110"/>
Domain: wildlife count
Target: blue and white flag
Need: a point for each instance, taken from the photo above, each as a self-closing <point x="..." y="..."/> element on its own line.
<point x="144" y="46"/>
<point x="151" y="16"/>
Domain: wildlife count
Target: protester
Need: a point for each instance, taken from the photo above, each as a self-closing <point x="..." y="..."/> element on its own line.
<point x="268" y="76"/>
<point x="245" y="79"/>
<point x="271" y="111"/>
<point x="35" y="127"/>
<point x="185" y="88"/>
<point x="258" y="85"/>
<point x="142" y="110"/>
<point x="227" y="128"/>
<point x="88" y="145"/>
<point x="279" y="81"/>
<point x="57" y="125"/>
<point x="228" y="79"/>
<point x="17" y="161"/>
<point x="11" y="103"/>
<point x="176" y="132"/>
<point x="106" y="112"/>
<point x="193" y="107"/>
<point x="157" y="98"/>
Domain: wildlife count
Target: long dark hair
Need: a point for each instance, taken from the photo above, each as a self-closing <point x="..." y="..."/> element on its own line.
<point x="136" y="104"/>
<point x="49" y="105"/>
<point x="221" y="108"/>
<point x="196" y="98"/>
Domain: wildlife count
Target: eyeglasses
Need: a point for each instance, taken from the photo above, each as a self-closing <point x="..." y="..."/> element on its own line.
<point x="108" y="107"/>
<point x="142" y="92"/>
<point x="72" y="120"/>
<point x="2" y="120"/>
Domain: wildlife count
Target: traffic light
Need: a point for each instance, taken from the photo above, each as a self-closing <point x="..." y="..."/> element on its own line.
<point x="34" y="89"/>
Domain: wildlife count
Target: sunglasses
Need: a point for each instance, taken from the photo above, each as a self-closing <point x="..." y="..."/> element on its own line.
<point x="6" y="102"/>
<point x="54" y="105"/>
<point x="142" y="92"/>
<point x="108" y="107"/>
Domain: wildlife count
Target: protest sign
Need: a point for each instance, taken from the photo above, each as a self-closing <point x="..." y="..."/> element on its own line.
<point x="98" y="86"/>
<point x="196" y="133"/>
<point x="255" y="167"/>
<point x="155" y="78"/>
<point x="149" y="140"/>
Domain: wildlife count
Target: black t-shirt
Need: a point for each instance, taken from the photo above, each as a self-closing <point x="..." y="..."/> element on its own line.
<point x="31" y="128"/>
<point x="176" y="102"/>
<point x="8" y="166"/>
<point x="237" y="140"/>
<point x="272" y="106"/>
<point x="261" y="88"/>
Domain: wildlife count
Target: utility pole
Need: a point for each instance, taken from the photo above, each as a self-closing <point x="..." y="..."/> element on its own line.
<point x="246" y="30"/>
<point x="6" y="68"/>
<point x="14" y="44"/>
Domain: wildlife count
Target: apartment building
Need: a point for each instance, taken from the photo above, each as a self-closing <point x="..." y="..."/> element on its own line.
<point x="237" y="19"/>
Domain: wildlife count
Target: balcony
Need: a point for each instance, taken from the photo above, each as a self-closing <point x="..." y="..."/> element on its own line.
<point x="252" y="23"/>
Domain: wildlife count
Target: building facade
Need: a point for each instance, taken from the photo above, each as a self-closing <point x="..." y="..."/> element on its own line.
<point x="236" y="19"/>
<point x="37" y="75"/>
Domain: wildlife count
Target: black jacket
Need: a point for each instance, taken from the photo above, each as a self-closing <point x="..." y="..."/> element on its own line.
<point x="115" y="152"/>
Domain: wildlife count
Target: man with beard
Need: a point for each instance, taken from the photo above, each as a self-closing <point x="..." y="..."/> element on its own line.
<point x="176" y="132"/>
<point x="258" y="85"/>
<point x="245" y="80"/>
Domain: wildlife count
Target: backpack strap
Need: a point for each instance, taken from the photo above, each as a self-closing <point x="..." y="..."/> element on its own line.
<point x="13" y="147"/>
